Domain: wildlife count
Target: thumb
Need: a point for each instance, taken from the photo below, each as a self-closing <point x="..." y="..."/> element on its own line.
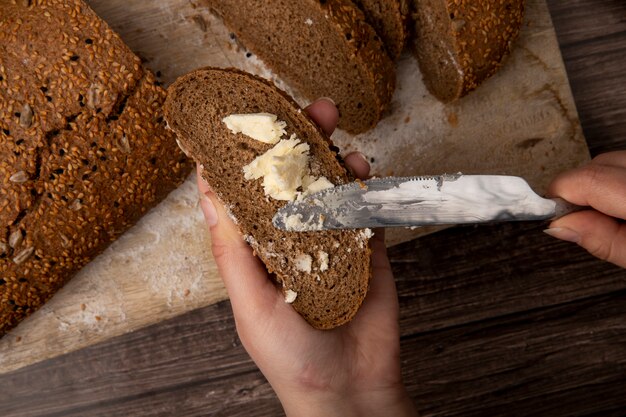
<point x="246" y="279"/>
<point x="603" y="236"/>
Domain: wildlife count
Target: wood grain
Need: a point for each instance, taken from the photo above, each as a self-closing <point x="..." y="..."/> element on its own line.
<point x="467" y="274"/>
<point x="591" y="36"/>
<point x="559" y="361"/>
<point x="496" y="321"/>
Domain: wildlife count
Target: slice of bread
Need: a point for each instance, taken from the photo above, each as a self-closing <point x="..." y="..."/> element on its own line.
<point x="195" y="107"/>
<point x="461" y="43"/>
<point x="388" y="18"/>
<point x="322" y="49"/>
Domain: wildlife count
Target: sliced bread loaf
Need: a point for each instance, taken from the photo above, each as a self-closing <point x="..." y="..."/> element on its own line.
<point x="321" y="48"/>
<point x="461" y="43"/>
<point x="83" y="147"/>
<point x="327" y="272"/>
<point x="388" y="18"/>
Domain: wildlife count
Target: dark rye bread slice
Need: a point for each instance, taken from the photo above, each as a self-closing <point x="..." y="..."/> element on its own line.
<point x="194" y="109"/>
<point x="83" y="147"/>
<point x="389" y="19"/>
<point x="461" y="43"/>
<point x="321" y="49"/>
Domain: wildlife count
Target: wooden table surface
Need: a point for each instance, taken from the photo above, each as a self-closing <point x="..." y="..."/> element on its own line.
<point x="496" y="320"/>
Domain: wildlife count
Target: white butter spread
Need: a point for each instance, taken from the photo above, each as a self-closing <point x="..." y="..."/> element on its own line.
<point x="312" y="185"/>
<point x="290" y="296"/>
<point x="282" y="169"/>
<point x="296" y="222"/>
<point x="303" y="262"/>
<point x="285" y="167"/>
<point x="364" y="236"/>
<point x="322" y="258"/>
<point x="263" y="127"/>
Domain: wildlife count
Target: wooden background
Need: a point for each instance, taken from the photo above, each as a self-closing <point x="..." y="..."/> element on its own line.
<point x="496" y="320"/>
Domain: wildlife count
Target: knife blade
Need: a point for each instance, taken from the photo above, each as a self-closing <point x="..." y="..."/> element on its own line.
<point x="420" y="201"/>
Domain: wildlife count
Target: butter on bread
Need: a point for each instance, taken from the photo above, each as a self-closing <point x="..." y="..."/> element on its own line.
<point x="324" y="275"/>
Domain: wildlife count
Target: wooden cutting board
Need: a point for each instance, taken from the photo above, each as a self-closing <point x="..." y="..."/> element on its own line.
<point x="523" y="121"/>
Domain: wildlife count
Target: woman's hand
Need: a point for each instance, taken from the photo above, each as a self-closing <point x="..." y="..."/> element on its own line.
<point x="348" y="371"/>
<point x="601" y="185"/>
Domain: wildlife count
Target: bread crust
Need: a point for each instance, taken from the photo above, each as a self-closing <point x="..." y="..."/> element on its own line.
<point x="83" y="145"/>
<point x="194" y="109"/>
<point x="389" y="20"/>
<point x="323" y="49"/>
<point x="478" y="37"/>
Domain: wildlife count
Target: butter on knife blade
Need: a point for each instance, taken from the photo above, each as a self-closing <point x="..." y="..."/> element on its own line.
<point x="420" y="201"/>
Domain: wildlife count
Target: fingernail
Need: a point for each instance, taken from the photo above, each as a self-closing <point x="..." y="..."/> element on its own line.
<point x="208" y="209"/>
<point x="362" y="156"/>
<point x="327" y="99"/>
<point x="563" y="233"/>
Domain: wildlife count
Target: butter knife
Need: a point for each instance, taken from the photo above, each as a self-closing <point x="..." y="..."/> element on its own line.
<point x="420" y="201"/>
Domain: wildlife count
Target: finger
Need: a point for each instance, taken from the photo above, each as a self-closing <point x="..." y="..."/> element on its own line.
<point x="358" y="164"/>
<point x="246" y="279"/>
<point x="616" y="159"/>
<point x="603" y="236"/>
<point x="382" y="296"/>
<point x="602" y="187"/>
<point x="324" y="112"/>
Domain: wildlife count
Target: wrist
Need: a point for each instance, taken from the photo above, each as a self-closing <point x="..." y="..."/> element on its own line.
<point x="390" y="401"/>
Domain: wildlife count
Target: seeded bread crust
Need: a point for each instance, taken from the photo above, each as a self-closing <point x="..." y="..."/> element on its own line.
<point x="194" y="109"/>
<point x="461" y="43"/>
<point x="321" y="49"/>
<point x="83" y="147"/>
<point x="389" y="19"/>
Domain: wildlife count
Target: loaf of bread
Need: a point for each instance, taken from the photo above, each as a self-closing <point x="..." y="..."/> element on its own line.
<point x="321" y="48"/>
<point x="324" y="274"/>
<point x="83" y="147"/>
<point x="389" y="20"/>
<point x="461" y="43"/>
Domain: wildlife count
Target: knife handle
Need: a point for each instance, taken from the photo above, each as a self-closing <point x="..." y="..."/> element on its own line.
<point x="563" y="208"/>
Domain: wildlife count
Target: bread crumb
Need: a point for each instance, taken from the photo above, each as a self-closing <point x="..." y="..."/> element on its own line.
<point x="290" y="296"/>
<point x="229" y="213"/>
<point x="303" y="263"/>
<point x="309" y="21"/>
<point x="322" y="258"/>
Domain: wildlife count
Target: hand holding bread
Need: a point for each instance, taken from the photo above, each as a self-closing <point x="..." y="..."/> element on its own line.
<point x="351" y="370"/>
